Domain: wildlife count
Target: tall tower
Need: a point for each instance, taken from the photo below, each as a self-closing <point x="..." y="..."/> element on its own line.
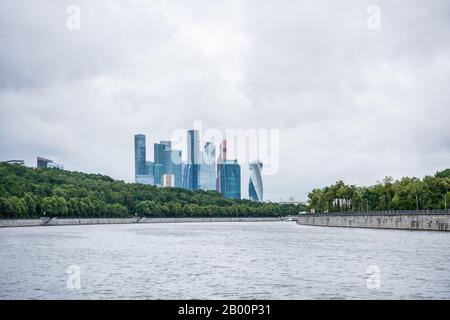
<point x="193" y="159"/>
<point x="176" y="167"/>
<point x="42" y="162"/>
<point x="207" y="173"/>
<point x="140" y="156"/>
<point x="255" y="183"/>
<point x="162" y="160"/>
<point x="229" y="178"/>
<point x="193" y="147"/>
<point x="222" y="158"/>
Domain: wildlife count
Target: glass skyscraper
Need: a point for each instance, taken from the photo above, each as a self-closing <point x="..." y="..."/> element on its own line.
<point x="193" y="147"/>
<point x="159" y="161"/>
<point x="167" y="161"/>
<point x="175" y="167"/>
<point x="255" y="184"/>
<point x="185" y="175"/>
<point x="194" y="159"/>
<point x="140" y="156"/>
<point x="149" y="177"/>
<point x="207" y="172"/>
<point x="229" y="178"/>
<point x="143" y="168"/>
<point x="42" y="162"/>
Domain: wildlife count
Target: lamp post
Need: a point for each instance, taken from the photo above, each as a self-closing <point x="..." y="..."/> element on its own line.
<point x="445" y="199"/>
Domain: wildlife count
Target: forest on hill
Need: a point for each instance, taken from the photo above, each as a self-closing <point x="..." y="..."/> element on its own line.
<point x="29" y="193"/>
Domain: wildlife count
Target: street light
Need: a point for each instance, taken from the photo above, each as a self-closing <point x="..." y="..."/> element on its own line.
<point x="445" y="199"/>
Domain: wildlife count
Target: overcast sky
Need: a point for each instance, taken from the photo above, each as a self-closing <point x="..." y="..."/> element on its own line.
<point x="351" y="102"/>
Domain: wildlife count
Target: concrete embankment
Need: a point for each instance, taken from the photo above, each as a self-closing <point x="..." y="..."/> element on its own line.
<point x="45" y="221"/>
<point x="414" y="220"/>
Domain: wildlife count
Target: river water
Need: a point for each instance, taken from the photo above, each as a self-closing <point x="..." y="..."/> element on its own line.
<point x="261" y="260"/>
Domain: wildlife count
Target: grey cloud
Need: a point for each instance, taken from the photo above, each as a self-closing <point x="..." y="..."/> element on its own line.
<point x="350" y="103"/>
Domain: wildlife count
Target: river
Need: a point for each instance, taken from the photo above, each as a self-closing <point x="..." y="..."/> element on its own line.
<point x="236" y="260"/>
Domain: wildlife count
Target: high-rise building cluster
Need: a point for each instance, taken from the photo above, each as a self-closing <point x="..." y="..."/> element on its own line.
<point x="203" y="170"/>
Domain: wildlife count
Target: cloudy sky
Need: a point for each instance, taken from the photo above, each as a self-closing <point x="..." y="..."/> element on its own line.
<point x="351" y="101"/>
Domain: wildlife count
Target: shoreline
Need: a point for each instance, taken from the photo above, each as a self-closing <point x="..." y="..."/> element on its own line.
<point x="46" y="221"/>
<point x="420" y="221"/>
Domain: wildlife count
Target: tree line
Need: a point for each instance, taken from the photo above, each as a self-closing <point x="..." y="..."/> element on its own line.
<point x="31" y="193"/>
<point x="431" y="192"/>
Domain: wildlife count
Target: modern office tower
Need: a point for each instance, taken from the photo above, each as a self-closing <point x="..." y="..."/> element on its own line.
<point x="230" y="178"/>
<point x="158" y="169"/>
<point x="193" y="147"/>
<point x="167" y="161"/>
<point x="220" y="160"/>
<point x="255" y="183"/>
<point x="190" y="176"/>
<point x="149" y="177"/>
<point x="168" y="180"/>
<point x="193" y="159"/>
<point x="158" y="162"/>
<point x="140" y="156"/>
<point x="207" y="172"/>
<point x="184" y="174"/>
<point x="149" y="168"/>
<point x="176" y="167"/>
<point x="42" y="162"/>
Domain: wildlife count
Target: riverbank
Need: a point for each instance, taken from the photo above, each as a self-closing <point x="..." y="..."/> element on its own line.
<point x="414" y="220"/>
<point x="45" y="221"/>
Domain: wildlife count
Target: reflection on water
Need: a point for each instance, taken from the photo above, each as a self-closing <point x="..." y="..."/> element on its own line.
<point x="262" y="260"/>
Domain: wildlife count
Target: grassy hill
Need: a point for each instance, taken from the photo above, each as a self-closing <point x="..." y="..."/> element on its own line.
<point x="29" y="192"/>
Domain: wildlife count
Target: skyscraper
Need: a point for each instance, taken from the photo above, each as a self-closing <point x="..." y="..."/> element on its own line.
<point x="140" y="155"/>
<point x="143" y="168"/>
<point x="175" y="167"/>
<point x="167" y="161"/>
<point x="193" y="157"/>
<point x="42" y="162"/>
<point x="207" y="172"/>
<point x="193" y="147"/>
<point x="159" y="161"/>
<point x="255" y="183"/>
<point x="149" y="177"/>
<point x="149" y="167"/>
<point x="229" y="178"/>
<point x="185" y="175"/>
<point x="220" y="160"/>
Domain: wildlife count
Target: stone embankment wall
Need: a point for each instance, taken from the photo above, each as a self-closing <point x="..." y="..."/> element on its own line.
<point x="45" y="221"/>
<point x="406" y="221"/>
